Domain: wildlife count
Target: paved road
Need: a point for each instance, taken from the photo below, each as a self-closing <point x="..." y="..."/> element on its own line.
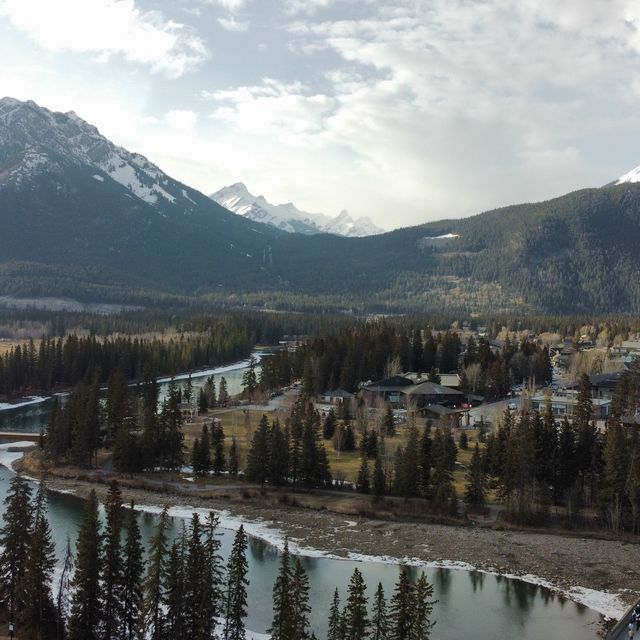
<point x="492" y="411"/>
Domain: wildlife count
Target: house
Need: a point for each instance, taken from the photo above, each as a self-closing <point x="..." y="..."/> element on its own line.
<point x="565" y="402"/>
<point x="427" y="393"/>
<point x="336" y="397"/>
<point x="389" y="390"/>
<point x="451" y="380"/>
<point x="603" y="385"/>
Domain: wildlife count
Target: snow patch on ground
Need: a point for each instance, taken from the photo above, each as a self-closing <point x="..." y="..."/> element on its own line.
<point x="608" y="604"/>
<point x="4" y="406"/>
<point x="95" y="176"/>
<point x="7" y="458"/>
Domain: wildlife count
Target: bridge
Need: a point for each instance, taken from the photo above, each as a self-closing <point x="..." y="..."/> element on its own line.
<point x="19" y="436"/>
<point x="621" y="629"/>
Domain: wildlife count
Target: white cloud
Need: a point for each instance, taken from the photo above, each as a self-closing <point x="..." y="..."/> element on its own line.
<point x="108" y="28"/>
<point x="231" y="24"/>
<point x="182" y="119"/>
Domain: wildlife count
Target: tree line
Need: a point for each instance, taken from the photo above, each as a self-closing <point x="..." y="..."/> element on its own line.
<point x="109" y="590"/>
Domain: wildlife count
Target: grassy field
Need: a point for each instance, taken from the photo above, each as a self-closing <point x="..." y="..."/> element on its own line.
<point x="242" y="424"/>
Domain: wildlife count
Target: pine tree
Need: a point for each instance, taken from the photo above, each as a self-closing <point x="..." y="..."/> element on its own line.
<point x="211" y="597"/>
<point x="236" y="592"/>
<point x="299" y="602"/>
<point x="334" y="627"/>
<point x="234" y="461"/>
<point x="422" y="609"/>
<point x="63" y="597"/>
<point x="463" y="441"/>
<point x="223" y="394"/>
<point x="279" y="459"/>
<point x="112" y="575"/>
<point x="282" y="624"/>
<point x="194" y="572"/>
<point x="15" y="543"/>
<point x="475" y="488"/>
<point x="425" y="462"/>
<point x="173" y="590"/>
<point x="249" y="379"/>
<point x="219" y="462"/>
<point x="38" y="618"/>
<point x="379" y="479"/>
<point x="329" y="425"/>
<point x="205" y="447"/>
<point x="379" y="621"/>
<point x="132" y="569"/>
<point x="357" y="621"/>
<point x="258" y="459"/>
<point x="153" y="581"/>
<point x="85" y="622"/>
<point x="401" y="610"/>
<point x="362" y="482"/>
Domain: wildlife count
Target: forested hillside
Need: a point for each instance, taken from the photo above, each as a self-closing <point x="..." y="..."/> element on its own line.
<point x="85" y="219"/>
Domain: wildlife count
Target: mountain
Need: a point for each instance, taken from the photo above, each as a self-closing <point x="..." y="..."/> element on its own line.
<point x="81" y="214"/>
<point x="630" y="176"/>
<point x="83" y="218"/>
<point x="288" y="217"/>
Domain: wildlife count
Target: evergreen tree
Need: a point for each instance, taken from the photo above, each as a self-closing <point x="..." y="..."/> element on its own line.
<point x="86" y="619"/>
<point x="63" y="597"/>
<point x="249" y="378"/>
<point x="153" y="581"/>
<point x="423" y="607"/>
<point x="363" y="476"/>
<point x="219" y="462"/>
<point x="300" y="608"/>
<point x="236" y="592"/>
<point x="329" y="425"/>
<point x="132" y="569"/>
<point x="401" y="610"/>
<point x="258" y="458"/>
<point x="223" y="394"/>
<point x="38" y="618"/>
<point x="282" y="624"/>
<point x="279" y="459"/>
<point x="112" y="575"/>
<point x="173" y="590"/>
<point x="475" y="488"/>
<point x="205" y="448"/>
<point x="335" y="626"/>
<point x="194" y="573"/>
<point x="15" y="540"/>
<point x="357" y="621"/>
<point x="234" y="462"/>
<point x="379" y="621"/>
<point x="425" y="462"/>
<point x="379" y="480"/>
<point x="463" y="441"/>
<point x="389" y="423"/>
<point x="212" y="596"/>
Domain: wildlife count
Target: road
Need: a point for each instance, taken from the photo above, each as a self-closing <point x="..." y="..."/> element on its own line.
<point x="491" y="411"/>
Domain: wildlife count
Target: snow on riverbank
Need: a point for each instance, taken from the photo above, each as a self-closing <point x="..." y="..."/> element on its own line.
<point x="7" y="458"/>
<point x="6" y="406"/>
<point x="608" y="604"/>
<point x="215" y="371"/>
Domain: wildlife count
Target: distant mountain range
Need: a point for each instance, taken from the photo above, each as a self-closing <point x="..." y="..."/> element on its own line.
<point x="288" y="217"/>
<point x="83" y="218"/>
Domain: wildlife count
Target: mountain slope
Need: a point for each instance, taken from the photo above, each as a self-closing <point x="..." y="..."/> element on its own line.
<point x="83" y="218"/>
<point x="70" y="197"/>
<point x="288" y="217"/>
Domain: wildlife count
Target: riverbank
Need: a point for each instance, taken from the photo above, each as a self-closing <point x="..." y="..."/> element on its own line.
<point x="597" y="573"/>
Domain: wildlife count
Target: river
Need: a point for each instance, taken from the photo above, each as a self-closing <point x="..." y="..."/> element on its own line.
<point x="470" y="604"/>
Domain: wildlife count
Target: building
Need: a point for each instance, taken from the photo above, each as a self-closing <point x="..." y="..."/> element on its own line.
<point x="565" y="402"/>
<point x="189" y="411"/>
<point x="603" y="385"/>
<point x="401" y="391"/>
<point x="336" y="397"/>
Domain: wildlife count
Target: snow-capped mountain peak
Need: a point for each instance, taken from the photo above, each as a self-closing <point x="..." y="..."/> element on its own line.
<point x="287" y="217"/>
<point x="630" y="176"/>
<point x="40" y="140"/>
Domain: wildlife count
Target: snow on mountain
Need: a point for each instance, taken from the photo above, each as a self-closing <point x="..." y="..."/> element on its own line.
<point x="631" y="176"/>
<point x="34" y="139"/>
<point x="288" y="217"/>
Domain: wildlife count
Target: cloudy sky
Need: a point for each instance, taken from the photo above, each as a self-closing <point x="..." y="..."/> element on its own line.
<point x="405" y="111"/>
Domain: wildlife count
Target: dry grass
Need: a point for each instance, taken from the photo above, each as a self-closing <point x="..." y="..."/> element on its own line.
<point x="7" y="345"/>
